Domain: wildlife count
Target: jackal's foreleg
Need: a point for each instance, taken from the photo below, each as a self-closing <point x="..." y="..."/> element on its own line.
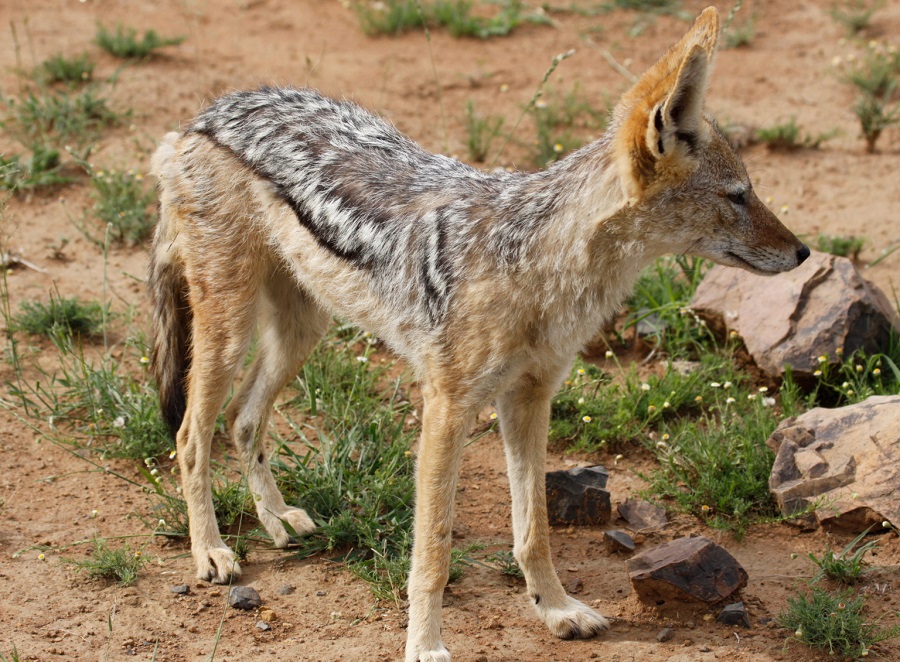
<point x="524" y="419"/>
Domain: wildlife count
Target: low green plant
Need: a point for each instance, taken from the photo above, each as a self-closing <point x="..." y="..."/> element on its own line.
<point x="875" y="75"/>
<point x="855" y="15"/>
<point x="13" y="655"/>
<point x="833" y="622"/>
<point x="561" y="121"/>
<point x="122" y="564"/>
<point x="390" y="17"/>
<point x="42" y="169"/>
<point x="395" y="16"/>
<point x="506" y="563"/>
<point x="61" y="69"/>
<point x="457" y="17"/>
<point x="841" y="246"/>
<point x="788" y="137"/>
<point x="66" y="315"/>
<point x="717" y="466"/>
<point x="124" y="204"/>
<point x="841" y="381"/>
<point x="124" y="42"/>
<point x="660" y="304"/>
<point x="480" y="133"/>
<point x="738" y="36"/>
<point x="57" y="118"/>
<point x="845" y="566"/>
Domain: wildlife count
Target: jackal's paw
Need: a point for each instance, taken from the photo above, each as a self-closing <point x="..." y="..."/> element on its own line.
<point x="573" y="620"/>
<point x="437" y="654"/>
<point x="292" y="523"/>
<point x="217" y="565"/>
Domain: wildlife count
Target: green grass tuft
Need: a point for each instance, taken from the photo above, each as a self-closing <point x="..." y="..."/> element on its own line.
<point x="124" y="204"/>
<point x="124" y="42"/>
<point x="67" y="315"/>
<point x="61" y="69"/>
<point x="121" y="565"/>
<point x="833" y="622"/>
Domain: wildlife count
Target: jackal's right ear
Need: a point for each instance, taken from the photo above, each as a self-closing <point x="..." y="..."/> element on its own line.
<point x="659" y="123"/>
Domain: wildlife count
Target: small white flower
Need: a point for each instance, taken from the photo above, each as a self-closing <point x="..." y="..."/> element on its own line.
<point x="729" y="400"/>
<point x="586" y="419"/>
<point x="667" y="404"/>
<point x="119" y="422"/>
<point x="726" y="385"/>
<point x="768" y="402"/>
<point x="362" y="359"/>
<point x="715" y="384"/>
<point x="609" y="354"/>
<point x="763" y="389"/>
<point x="645" y="386"/>
<point x="172" y="455"/>
<point x="581" y="401"/>
<point x="94" y="513"/>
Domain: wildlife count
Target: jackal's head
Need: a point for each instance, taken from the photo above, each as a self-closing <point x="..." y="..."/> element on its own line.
<point x="680" y="174"/>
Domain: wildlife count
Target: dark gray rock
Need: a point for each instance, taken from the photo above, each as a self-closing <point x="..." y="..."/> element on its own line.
<point x="846" y="459"/>
<point x="734" y="614"/>
<point x="666" y="634"/>
<point x="822" y="307"/>
<point x="642" y="515"/>
<point x="618" y="541"/>
<point x="576" y="496"/>
<point x="287" y="589"/>
<point x="685" y="570"/>
<point x="181" y="589"/>
<point x="244" y="597"/>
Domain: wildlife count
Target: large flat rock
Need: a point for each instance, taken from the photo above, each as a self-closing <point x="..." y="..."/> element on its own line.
<point x="846" y="459"/>
<point x="817" y="309"/>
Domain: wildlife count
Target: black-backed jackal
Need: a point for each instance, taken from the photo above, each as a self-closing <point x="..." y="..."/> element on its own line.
<point x="281" y="208"/>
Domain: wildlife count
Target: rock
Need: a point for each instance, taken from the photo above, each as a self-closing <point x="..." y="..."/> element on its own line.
<point x="666" y="634"/>
<point x="262" y="625"/>
<point x="574" y="586"/>
<point x="576" y="496"/>
<point x="816" y="310"/>
<point x="244" y="597"/>
<point x="686" y="570"/>
<point x="734" y="614"/>
<point x="642" y="515"/>
<point x="847" y="459"/>
<point x="287" y="589"/>
<point x="618" y="541"/>
<point x="181" y="589"/>
<point x="268" y="615"/>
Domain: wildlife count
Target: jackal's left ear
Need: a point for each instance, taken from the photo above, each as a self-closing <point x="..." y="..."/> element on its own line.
<point x="658" y="125"/>
<point x="676" y="123"/>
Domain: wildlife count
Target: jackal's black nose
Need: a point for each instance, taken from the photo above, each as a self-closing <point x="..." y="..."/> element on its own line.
<point x="802" y="253"/>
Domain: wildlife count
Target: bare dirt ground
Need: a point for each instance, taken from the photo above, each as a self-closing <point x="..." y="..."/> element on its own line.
<point x="47" y="496"/>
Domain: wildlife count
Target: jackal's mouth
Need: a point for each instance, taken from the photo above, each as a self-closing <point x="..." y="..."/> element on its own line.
<point x="749" y="266"/>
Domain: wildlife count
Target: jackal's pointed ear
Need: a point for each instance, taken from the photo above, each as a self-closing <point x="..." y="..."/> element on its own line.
<point x="660" y="119"/>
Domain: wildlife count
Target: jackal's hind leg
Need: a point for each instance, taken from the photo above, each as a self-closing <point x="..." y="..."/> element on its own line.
<point x="524" y="420"/>
<point x="290" y="326"/>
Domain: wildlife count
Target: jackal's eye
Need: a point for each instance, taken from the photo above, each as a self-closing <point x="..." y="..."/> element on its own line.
<point x="738" y="197"/>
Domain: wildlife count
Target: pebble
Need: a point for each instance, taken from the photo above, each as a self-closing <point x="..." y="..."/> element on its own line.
<point x="244" y="597"/>
<point x="181" y="589"/>
<point x="262" y="625"/>
<point x="665" y="634"/>
<point x="287" y="589"/>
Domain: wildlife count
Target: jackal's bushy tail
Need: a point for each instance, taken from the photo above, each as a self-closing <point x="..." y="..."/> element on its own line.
<point x="170" y="307"/>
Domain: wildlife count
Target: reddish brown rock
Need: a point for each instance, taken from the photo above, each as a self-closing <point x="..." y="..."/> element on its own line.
<point x="820" y="308"/>
<point x="642" y="515"/>
<point x="577" y="496"/>
<point x="685" y="570"/>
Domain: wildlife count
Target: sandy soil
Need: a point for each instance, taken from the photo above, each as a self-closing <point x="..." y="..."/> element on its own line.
<point x="49" y="612"/>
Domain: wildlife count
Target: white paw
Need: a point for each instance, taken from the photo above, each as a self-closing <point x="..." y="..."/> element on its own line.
<point x="438" y="654"/>
<point x="573" y="620"/>
<point x="294" y="519"/>
<point x="217" y="565"/>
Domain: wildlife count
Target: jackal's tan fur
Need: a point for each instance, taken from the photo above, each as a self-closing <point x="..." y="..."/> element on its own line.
<point x="281" y="208"/>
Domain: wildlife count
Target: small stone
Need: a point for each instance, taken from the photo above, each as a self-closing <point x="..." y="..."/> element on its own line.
<point x="642" y="515"/>
<point x="181" y="589"/>
<point x="666" y="634"/>
<point x="618" y="541"/>
<point x="576" y="496"/>
<point x="321" y="593"/>
<point x="686" y="569"/>
<point x="734" y="614"/>
<point x="268" y="615"/>
<point x="287" y="589"/>
<point x="574" y="586"/>
<point x="262" y="625"/>
<point x="244" y="597"/>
